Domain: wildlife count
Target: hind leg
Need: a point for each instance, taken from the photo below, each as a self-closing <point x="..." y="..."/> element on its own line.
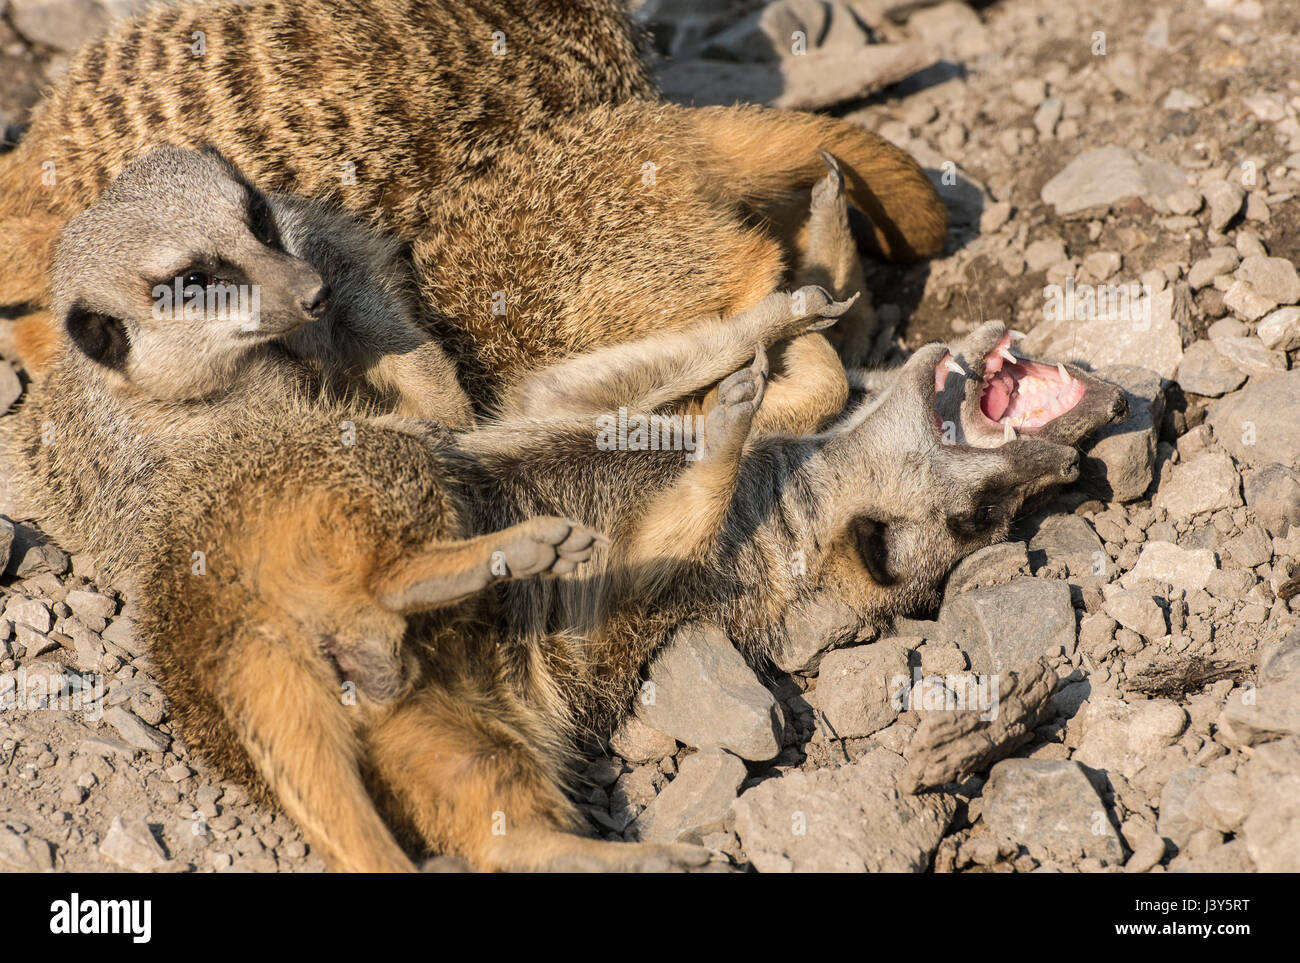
<point x="450" y="571"/>
<point x="471" y="785"/>
<point x="828" y="256"/>
<point x="286" y="711"/>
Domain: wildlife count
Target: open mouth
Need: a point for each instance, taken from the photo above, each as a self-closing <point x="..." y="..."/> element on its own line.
<point x="1017" y="395"/>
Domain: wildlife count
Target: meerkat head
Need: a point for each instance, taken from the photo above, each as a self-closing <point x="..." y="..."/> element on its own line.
<point x="178" y="273"/>
<point x="912" y="499"/>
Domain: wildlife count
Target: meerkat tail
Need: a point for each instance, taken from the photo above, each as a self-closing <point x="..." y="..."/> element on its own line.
<point x="300" y="737"/>
<point x="763" y="153"/>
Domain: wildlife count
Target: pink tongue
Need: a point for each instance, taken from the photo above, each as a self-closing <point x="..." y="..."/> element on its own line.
<point x="996" y="400"/>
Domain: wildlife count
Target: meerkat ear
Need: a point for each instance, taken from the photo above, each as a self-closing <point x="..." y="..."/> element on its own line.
<point x="101" y="337"/>
<point x="869" y="537"/>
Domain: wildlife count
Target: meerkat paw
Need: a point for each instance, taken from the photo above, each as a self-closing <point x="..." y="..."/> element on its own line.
<point x="726" y="427"/>
<point x="546" y="545"/>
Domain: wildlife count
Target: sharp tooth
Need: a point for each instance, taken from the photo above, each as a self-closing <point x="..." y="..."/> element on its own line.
<point x="1016" y="335"/>
<point x="954" y="367"/>
<point x="1065" y="375"/>
<point x="1006" y="356"/>
<point x="1008" y="433"/>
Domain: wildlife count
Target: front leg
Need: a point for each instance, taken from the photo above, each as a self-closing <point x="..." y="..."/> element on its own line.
<point x="450" y="571"/>
<point x="684" y="522"/>
<point x="652" y="372"/>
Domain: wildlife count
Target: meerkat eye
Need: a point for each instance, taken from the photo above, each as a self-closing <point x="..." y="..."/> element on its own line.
<point x="196" y="279"/>
<point x="260" y="221"/>
<point x="983" y="518"/>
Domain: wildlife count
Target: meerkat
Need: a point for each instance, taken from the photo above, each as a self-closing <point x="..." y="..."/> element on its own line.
<point x="368" y="103"/>
<point x="496" y="673"/>
<point x="599" y="224"/>
<point x="184" y="270"/>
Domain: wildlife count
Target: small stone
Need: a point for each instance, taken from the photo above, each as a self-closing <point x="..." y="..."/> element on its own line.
<point x="91" y="603"/>
<point x="707" y="697"/>
<point x="1250" y="355"/>
<point x="1107" y="175"/>
<point x="1273" y="494"/>
<point x="1207" y="483"/>
<point x="1261" y="714"/>
<point x="135" y="731"/>
<point x="637" y="742"/>
<point x="1219" y="261"/>
<point x="1280" y="331"/>
<point x="1184" y="569"/>
<point x="1205" y="370"/>
<point x="849" y="819"/>
<point x="697" y="802"/>
<point x="994" y="216"/>
<point x="1225" y="200"/>
<point x="1274" y="278"/>
<point x="1260" y="424"/>
<point x="1042" y="254"/>
<point x="1102" y="264"/>
<point x="857" y="688"/>
<point x="1119" y="460"/>
<point x="1247" y="302"/>
<point x="1007" y="625"/>
<point x="1050" y="805"/>
<point x="1185" y="201"/>
<point x="131" y="844"/>
<point x="1137" y="611"/>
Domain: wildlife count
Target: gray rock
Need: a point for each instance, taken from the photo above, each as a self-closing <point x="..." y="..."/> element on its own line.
<point x="639" y="743"/>
<point x="707" y="697"/>
<point x="30" y="612"/>
<point x="1205" y="370"/>
<point x="1184" y="569"/>
<point x="1251" y="548"/>
<point x="1176" y="823"/>
<point x="1250" y="356"/>
<point x="1247" y="302"/>
<point x="1050" y="805"/>
<point x="10" y="387"/>
<point x="858" y="690"/>
<point x="1102" y="342"/>
<point x="1218" y="802"/>
<point x="23" y="854"/>
<point x="1205" y="483"/>
<point x="1125" y="739"/>
<point x="1107" y="175"/>
<point x="1119" y="462"/>
<point x="1272" y="829"/>
<point x="991" y="565"/>
<point x="850" y="819"/>
<point x="697" y="802"/>
<point x="1006" y="625"/>
<point x="131" y="844"/>
<point x="1280" y="331"/>
<point x="1261" y="714"/>
<point x="824" y="622"/>
<point x="91" y="603"/>
<point x="1220" y="260"/>
<point x="1260" y="424"/>
<point x="1225" y="200"/>
<point x="1137" y="611"/>
<point x="1274" y="278"/>
<point x="1069" y="542"/>
<point x="136" y="731"/>
<point x="32" y="553"/>
<point x="1281" y="659"/>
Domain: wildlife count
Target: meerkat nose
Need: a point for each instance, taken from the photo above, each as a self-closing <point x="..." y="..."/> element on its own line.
<point x="316" y="303"/>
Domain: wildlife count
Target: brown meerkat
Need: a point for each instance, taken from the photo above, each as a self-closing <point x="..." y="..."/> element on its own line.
<point x="876" y="512"/>
<point x="193" y="269"/>
<point x="366" y="102"/>
<point x="623" y="212"/>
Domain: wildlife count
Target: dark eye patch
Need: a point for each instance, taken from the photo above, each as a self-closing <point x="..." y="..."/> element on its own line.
<point x="260" y="220"/>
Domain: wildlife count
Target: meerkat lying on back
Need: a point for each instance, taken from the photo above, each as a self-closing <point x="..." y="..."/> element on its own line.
<point x="184" y="269"/>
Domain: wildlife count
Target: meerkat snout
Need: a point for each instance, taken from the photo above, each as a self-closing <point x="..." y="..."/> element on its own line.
<point x="317" y="303"/>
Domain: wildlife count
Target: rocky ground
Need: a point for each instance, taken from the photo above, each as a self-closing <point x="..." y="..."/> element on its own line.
<point x="1138" y="636"/>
